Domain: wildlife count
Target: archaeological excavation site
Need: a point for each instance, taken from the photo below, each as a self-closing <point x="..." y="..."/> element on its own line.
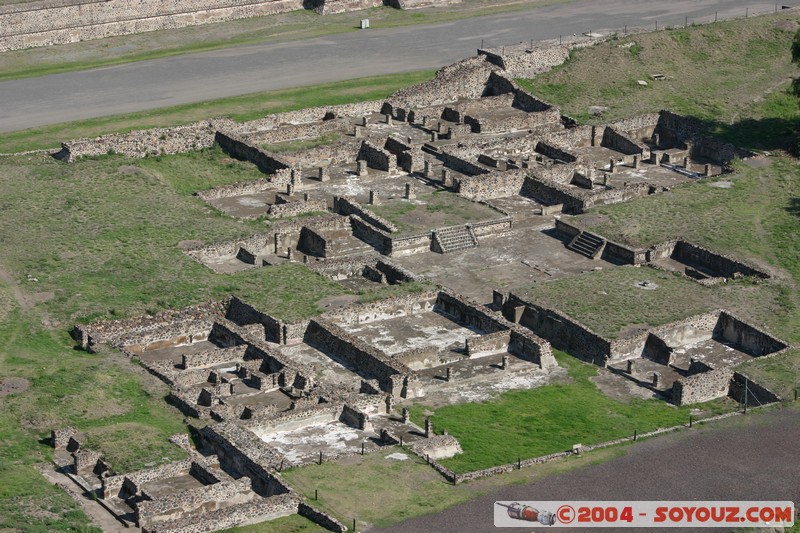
<point x="471" y="192"/>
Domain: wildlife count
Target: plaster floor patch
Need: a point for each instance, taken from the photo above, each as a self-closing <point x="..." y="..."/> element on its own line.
<point x="397" y="456"/>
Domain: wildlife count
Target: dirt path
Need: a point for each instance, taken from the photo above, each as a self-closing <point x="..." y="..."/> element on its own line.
<point x="96" y="513"/>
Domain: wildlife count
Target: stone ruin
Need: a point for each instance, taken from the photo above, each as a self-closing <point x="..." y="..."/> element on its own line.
<point x="277" y="395"/>
<point x="274" y="394"/>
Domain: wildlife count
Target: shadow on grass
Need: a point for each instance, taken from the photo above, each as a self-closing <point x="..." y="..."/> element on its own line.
<point x="760" y="134"/>
<point x="794" y="207"/>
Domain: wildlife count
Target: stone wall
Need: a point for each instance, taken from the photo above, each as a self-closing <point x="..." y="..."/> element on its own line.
<point x="176" y="505"/>
<point x="346" y="206"/>
<point x="213" y="357"/>
<point x="718" y="264"/>
<point x="368" y="233"/>
<point x="621" y="142"/>
<point x="489" y="343"/>
<point x="409" y="245"/>
<point x="241" y="450"/>
<point x="465" y="79"/>
<point x="377" y="157"/>
<point x="257" y="510"/>
<point x="368" y="361"/>
<point x="756" y="394"/>
<point x="527" y="63"/>
<point x="560" y="330"/>
<point x="166" y="328"/>
<point x="240" y="149"/>
<point x="745" y="337"/>
<point x="702" y="387"/>
<point x="237" y="189"/>
<point x="468" y="313"/>
<point x="492" y="227"/>
<point x="491" y="185"/>
<point x="319" y="517"/>
<point x="143" y="143"/>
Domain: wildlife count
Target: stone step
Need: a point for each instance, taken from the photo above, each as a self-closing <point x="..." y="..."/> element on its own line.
<point x="455" y="239"/>
<point x="587" y="245"/>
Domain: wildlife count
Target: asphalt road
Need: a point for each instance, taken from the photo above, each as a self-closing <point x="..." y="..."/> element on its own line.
<point x="196" y="77"/>
<point x="756" y="458"/>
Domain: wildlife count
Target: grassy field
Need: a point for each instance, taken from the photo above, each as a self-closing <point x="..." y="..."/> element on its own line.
<point x="732" y="74"/>
<point x="240" y="108"/>
<point x="550" y="419"/>
<point x="290" y="26"/>
<point x="378" y="491"/>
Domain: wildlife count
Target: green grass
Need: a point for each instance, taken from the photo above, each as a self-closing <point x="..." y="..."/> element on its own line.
<point x="733" y="74"/>
<point x="305" y="144"/>
<point x="756" y="220"/>
<point x="240" y="108"/>
<point x="113" y="248"/>
<point x="610" y="300"/>
<point x="289" y="524"/>
<point x="121" y="413"/>
<point x="432" y="210"/>
<point x="380" y="492"/>
<point x="296" y="25"/>
<point x="546" y="420"/>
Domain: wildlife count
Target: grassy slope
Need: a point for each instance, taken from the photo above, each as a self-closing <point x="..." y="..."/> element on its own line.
<point x="241" y="108"/>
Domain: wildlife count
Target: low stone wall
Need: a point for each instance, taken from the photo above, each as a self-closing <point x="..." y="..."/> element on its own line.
<point x="258" y="510"/>
<point x="742" y="387"/>
<point x="409" y="245"/>
<point x="489" y="343"/>
<point x="132" y="483"/>
<point x="465" y="79"/>
<point x="377" y="157"/>
<point x="373" y="236"/>
<point x="621" y="142"/>
<point x="240" y="149"/>
<point x="241" y="450"/>
<point x="492" y="227"/>
<point x="468" y="313"/>
<point x="176" y="505"/>
<point x="166" y="328"/>
<point x="292" y="209"/>
<point x="143" y="143"/>
<point x="213" y="357"/>
<point x="321" y="518"/>
<point x="237" y="189"/>
<point x="491" y="185"/>
<point x="345" y="206"/>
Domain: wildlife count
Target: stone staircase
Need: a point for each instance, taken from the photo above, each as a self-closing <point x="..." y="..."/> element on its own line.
<point x="453" y="239"/>
<point x="587" y="244"/>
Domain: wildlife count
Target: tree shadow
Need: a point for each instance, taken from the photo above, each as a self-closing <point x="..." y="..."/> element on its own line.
<point x="794" y="206"/>
<point x="772" y="133"/>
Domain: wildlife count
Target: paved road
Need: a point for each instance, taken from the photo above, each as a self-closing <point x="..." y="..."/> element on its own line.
<point x="241" y="70"/>
<point x="753" y="458"/>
